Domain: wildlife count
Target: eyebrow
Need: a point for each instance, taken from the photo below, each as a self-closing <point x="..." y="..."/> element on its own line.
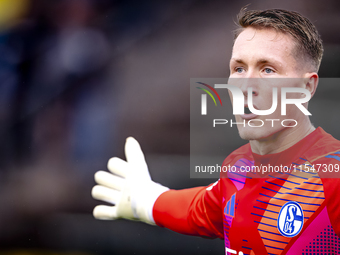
<point x="240" y="61"/>
<point x="260" y="61"/>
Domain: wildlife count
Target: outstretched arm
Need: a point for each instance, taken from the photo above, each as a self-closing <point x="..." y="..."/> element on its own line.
<point x="195" y="211"/>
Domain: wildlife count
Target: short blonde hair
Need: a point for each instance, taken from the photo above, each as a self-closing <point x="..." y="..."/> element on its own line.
<point x="303" y="31"/>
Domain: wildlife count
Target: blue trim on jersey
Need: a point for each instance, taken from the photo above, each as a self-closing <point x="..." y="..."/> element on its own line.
<point x="265" y="209"/>
<point x="297" y="176"/>
<point x="314" y="183"/>
<point x="309" y="190"/>
<point x="278" y="185"/>
<point x="244" y="176"/>
<point x="236" y="180"/>
<point x="263" y="216"/>
<point x="252" y="162"/>
<point x="274" y="240"/>
<point x="269" y="232"/>
<point x="335" y="157"/>
<point x="265" y="224"/>
<point x="274" y="247"/>
<point x="284" y="180"/>
<point x="305" y="196"/>
<point x="289" y="200"/>
<point x="232" y="205"/>
<point x="315" y="174"/>
<point x="267" y="203"/>
<point x="272" y="190"/>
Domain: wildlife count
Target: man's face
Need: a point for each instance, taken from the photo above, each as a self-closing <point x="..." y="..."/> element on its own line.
<point x="259" y="54"/>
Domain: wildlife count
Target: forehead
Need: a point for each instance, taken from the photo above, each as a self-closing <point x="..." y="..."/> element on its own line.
<point x="260" y="43"/>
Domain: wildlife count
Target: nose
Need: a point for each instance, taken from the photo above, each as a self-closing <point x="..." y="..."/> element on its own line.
<point x="250" y="84"/>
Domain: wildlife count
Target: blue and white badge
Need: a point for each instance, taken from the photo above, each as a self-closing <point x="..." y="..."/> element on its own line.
<point x="290" y="220"/>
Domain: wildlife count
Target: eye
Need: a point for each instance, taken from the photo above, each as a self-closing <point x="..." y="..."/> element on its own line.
<point x="239" y="69"/>
<point x="268" y="70"/>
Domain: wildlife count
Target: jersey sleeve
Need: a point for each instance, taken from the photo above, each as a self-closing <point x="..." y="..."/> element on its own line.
<point x="195" y="211"/>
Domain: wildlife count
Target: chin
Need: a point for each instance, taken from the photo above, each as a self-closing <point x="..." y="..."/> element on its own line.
<point x="247" y="133"/>
<point x="257" y="133"/>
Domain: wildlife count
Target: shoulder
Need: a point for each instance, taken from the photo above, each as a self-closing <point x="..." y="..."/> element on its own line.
<point x="325" y="149"/>
<point x="324" y="156"/>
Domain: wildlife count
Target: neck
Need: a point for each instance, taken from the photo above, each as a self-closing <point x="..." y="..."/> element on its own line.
<point x="283" y="139"/>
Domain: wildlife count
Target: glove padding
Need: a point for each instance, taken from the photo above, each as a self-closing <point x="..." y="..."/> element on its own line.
<point x="129" y="187"/>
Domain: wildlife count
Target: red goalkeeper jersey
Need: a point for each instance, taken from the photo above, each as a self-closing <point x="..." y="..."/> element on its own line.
<point x="293" y="209"/>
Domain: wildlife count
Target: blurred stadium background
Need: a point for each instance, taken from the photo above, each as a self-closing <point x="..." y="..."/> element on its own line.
<point x="79" y="76"/>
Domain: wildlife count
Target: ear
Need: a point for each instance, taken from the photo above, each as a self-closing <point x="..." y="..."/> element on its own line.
<point x="312" y="81"/>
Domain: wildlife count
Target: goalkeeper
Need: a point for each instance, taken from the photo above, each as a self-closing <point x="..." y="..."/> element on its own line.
<point x="281" y="214"/>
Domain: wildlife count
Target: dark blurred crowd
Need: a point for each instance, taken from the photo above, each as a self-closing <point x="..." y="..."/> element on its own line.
<point x="58" y="105"/>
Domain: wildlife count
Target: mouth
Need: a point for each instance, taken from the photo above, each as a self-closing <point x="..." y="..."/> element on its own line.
<point x="246" y="110"/>
<point x="248" y="114"/>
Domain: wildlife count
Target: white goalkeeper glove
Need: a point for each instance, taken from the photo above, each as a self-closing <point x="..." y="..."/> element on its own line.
<point x="129" y="187"/>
